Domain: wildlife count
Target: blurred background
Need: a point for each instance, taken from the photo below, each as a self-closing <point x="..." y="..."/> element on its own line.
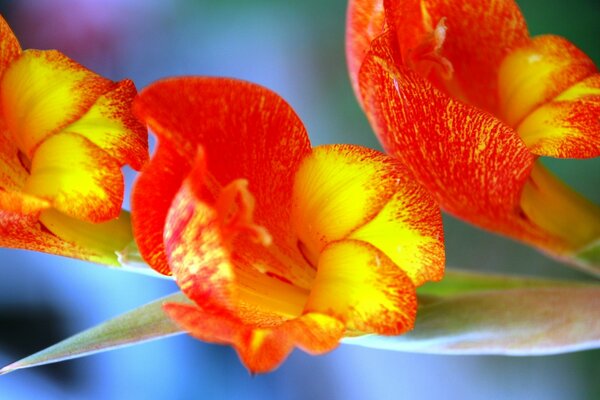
<point x="297" y="49"/>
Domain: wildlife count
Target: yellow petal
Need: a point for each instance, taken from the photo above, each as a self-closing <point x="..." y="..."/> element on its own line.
<point x="569" y="125"/>
<point x="536" y="73"/>
<point x="77" y="177"/>
<point x="44" y="91"/>
<point x="360" y="286"/>
<point x="110" y="125"/>
<point x="350" y="191"/>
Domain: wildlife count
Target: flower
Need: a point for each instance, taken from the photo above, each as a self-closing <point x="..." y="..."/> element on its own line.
<point x="65" y="133"/>
<point x="275" y="243"/>
<point x="461" y="93"/>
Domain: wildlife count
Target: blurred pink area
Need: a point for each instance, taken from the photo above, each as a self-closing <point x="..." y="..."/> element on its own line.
<point x="90" y="31"/>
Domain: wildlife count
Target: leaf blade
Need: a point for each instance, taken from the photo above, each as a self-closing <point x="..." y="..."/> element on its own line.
<point x="524" y="321"/>
<point x="145" y="323"/>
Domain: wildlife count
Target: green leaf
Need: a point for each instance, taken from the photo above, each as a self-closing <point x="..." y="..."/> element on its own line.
<point x="523" y="321"/>
<point x="466" y="313"/>
<point x="142" y="324"/>
<point x="588" y="259"/>
<point x="457" y="282"/>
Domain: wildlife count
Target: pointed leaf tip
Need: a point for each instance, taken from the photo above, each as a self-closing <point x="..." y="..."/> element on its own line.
<point x="145" y="323"/>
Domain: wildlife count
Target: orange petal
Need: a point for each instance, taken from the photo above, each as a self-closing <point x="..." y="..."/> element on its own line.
<point x="351" y="191"/>
<point x="77" y="178"/>
<point x="534" y="74"/>
<point x="197" y="253"/>
<point x="213" y="272"/>
<point x="43" y="92"/>
<point x="365" y="21"/>
<point x="246" y="131"/>
<point x="474" y="165"/>
<point x="479" y="35"/>
<point x="569" y="125"/>
<point x="262" y="349"/>
<point x="13" y="166"/>
<point x="359" y="285"/>
<point x="9" y="45"/>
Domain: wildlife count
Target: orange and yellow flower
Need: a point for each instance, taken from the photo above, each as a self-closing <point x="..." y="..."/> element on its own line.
<point x="277" y="244"/>
<point x="461" y="93"/>
<point x="65" y="133"/>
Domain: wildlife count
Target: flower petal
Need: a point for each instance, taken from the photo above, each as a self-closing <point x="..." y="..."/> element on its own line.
<point x="13" y="171"/>
<point x="365" y="21"/>
<point x="44" y="91"/>
<point x="569" y="125"/>
<point x="473" y="165"/>
<point x="246" y="131"/>
<point x="77" y="178"/>
<point x="211" y="273"/>
<point x="359" y="285"/>
<point x="94" y="242"/>
<point x="351" y="191"/>
<point x="9" y="45"/>
<point x="197" y="254"/>
<point x="261" y="349"/>
<point x="479" y="35"/>
<point x="110" y="125"/>
<point x="534" y="74"/>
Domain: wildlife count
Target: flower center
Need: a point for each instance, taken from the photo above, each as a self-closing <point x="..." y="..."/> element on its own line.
<point x="235" y="207"/>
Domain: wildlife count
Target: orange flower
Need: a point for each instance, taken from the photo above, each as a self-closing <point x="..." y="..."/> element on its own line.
<point x="276" y="243"/>
<point x="460" y="93"/>
<point x="65" y="133"/>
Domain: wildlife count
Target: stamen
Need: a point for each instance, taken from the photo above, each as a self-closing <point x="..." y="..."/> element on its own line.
<point x="427" y="55"/>
<point x="235" y="207"/>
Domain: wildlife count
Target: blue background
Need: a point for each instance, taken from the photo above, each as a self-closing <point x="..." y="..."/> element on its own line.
<point x="297" y="49"/>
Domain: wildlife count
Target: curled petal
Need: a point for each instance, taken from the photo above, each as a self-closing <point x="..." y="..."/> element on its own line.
<point x="261" y="349"/>
<point x="263" y="139"/>
<point x="479" y="35"/>
<point x="474" y="165"/>
<point x="359" y="285"/>
<point x="43" y="92"/>
<point x="215" y="274"/>
<point x="538" y="72"/>
<point x="77" y="178"/>
<point x="198" y="255"/>
<point x="569" y="125"/>
<point x="351" y="191"/>
<point x="110" y="125"/>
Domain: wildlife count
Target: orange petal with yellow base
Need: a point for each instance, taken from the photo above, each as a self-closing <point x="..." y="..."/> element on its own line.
<point x="476" y="38"/>
<point x="359" y="285"/>
<point x="64" y="134"/>
<point x="225" y="117"/>
<point x="474" y="165"/>
<point x="349" y="191"/>
<point x="534" y="74"/>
